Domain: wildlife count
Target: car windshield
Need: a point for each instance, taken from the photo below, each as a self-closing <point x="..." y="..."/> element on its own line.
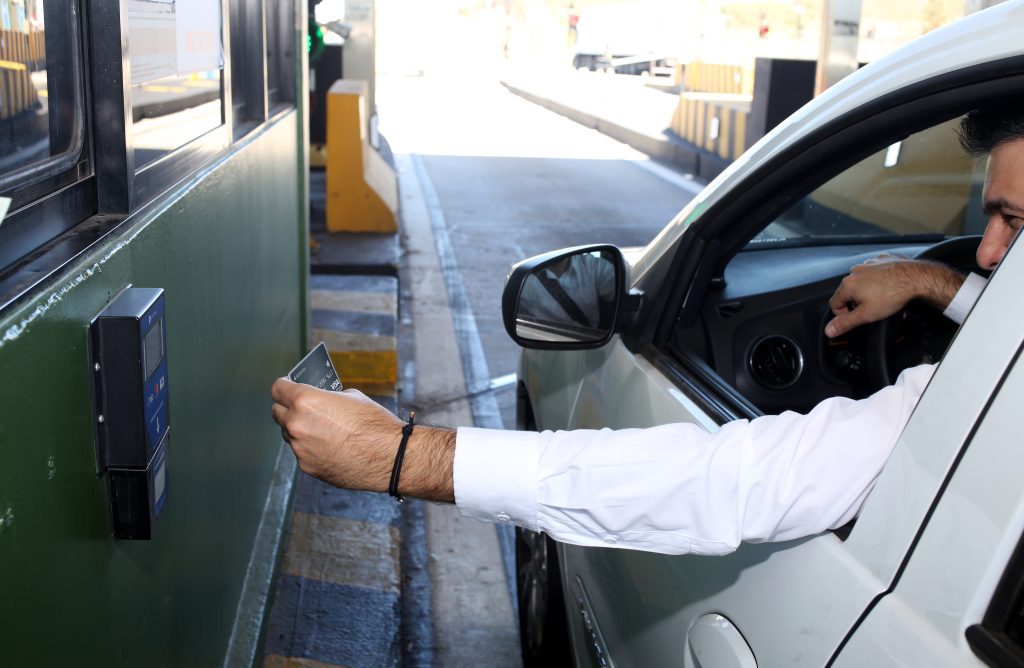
<point x="922" y="187"/>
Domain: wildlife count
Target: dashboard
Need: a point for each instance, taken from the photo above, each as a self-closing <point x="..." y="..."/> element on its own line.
<point x="762" y="330"/>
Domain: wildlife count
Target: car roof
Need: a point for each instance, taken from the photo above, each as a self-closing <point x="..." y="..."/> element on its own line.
<point x="990" y="35"/>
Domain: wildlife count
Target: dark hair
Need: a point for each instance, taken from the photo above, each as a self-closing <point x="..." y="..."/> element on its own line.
<point x="983" y="129"/>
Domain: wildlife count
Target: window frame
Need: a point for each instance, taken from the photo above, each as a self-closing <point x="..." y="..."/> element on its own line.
<point x="247" y="28"/>
<point x="47" y="234"/>
<point x="44" y="192"/>
<point x="142" y="185"/>
<point x="282" y="95"/>
<point x="34" y="181"/>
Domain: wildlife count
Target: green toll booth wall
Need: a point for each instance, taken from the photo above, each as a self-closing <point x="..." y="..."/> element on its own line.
<point x="228" y="246"/>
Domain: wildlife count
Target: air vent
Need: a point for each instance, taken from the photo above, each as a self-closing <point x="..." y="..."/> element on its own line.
<point x="729" y="309"/>
<point x="776" y="362"/>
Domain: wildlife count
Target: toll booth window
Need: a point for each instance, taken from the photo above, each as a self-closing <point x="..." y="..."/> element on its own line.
<point x="44" y="154"/>
<point x="41" y="118"/>
<point x="177" y="62"/>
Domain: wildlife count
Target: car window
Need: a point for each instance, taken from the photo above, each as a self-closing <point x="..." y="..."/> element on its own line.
<point x="759" y="343"/>
<point x="922" y="185"/>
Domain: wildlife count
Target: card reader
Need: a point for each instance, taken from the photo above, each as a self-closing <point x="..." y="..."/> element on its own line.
<point x="128" y="348"/>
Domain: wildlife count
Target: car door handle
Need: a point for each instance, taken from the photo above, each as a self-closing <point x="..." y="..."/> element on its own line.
<point x="714" y="642"/>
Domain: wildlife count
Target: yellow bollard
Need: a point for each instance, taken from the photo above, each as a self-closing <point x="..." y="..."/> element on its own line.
<point x="362" y="191"/>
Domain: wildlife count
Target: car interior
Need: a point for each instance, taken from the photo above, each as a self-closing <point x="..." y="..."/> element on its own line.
<point x="761" y="327"/>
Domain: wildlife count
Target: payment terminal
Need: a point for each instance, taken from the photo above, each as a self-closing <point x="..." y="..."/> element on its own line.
<point x="128" y="350"/>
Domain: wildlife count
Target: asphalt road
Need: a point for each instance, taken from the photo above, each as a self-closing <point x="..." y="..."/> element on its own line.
<point x="509" y="180"/>
<point x="486" y="179"/>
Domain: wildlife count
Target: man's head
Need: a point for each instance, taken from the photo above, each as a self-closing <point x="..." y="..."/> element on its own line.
<point x="999" y="132"/>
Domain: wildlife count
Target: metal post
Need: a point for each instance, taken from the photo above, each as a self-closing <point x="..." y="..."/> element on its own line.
<point x="358" y="62"/>
<point x="837" y="53"/>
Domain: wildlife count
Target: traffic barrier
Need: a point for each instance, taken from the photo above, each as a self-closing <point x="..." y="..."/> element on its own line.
<point x="20" y="54"/>
<point x="711" y="125"/>
<point x="16" y="89"/>
<point x="719" y="78"/>
<point x="362" y="190"/>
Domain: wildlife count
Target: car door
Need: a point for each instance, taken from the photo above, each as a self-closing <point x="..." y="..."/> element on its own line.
<point x="956" y="597"/>
<point x="788" y="603"/>
<point x="779" y="604"/>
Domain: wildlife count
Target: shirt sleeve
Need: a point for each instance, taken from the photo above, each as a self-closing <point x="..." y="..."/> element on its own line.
<point x="678" y="489"/>
<point x="964" y="299"/>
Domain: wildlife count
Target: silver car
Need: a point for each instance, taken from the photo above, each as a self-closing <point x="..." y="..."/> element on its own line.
<point x="722" y="316"/>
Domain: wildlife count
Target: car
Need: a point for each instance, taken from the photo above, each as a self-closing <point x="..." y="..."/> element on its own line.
<point x="721" y="318"/>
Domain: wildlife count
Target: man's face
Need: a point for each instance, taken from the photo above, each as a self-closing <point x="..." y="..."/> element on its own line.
<point x="1003" y="202"/>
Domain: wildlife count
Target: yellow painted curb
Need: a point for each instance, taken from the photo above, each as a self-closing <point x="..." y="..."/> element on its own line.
<point x="360" y="368"/>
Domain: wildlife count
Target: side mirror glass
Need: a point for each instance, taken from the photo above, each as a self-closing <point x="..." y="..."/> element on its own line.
<point x="568" y="298"/>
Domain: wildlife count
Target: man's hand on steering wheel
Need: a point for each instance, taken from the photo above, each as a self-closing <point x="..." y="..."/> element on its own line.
<point x="882" y="286"/>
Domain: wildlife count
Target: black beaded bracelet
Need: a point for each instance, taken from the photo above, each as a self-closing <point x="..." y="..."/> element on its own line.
<point x="396" y="470"/>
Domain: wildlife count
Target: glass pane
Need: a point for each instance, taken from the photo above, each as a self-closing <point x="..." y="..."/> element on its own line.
<point x="177" y="57"/>
<point x="40" y="116"/>
<point x="170" y="112"/>
<point x="922" y="184"/>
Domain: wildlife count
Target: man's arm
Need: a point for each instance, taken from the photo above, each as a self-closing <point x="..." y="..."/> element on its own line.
<point x="882" y="286"/>
<point x="673" y="489"/>
<point x="348" y="440"/>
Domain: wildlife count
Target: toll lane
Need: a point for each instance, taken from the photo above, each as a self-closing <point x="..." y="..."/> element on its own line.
<point x="486" y="179"/>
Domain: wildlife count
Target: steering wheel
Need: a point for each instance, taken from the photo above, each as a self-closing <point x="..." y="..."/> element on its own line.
<point x="918" y="333"/>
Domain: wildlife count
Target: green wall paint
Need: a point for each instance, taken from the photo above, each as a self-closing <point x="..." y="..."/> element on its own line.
<point x="227" y="247"/>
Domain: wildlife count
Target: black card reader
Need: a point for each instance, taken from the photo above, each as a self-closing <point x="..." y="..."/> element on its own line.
<point x="128" y="347"/>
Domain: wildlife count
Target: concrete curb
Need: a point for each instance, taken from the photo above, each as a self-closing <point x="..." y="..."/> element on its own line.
<point x="663" y="148"/>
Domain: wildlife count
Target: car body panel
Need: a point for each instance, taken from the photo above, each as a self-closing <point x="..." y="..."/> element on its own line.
<point x="618" y="389"/>
<point x="950" y="579"/>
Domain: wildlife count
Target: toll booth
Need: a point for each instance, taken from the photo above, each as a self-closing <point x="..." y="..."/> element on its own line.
<point x="153" y="263"/>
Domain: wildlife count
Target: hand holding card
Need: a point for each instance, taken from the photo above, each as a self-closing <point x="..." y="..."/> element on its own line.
<point x="317" y="370"/>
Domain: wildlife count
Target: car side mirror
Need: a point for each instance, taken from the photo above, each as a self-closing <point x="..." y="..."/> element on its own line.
<point x="568" y="298"/>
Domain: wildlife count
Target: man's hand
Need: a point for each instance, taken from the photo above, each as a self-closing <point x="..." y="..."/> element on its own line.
<point x="880" y="287"/>
<point x="347" y="440"/>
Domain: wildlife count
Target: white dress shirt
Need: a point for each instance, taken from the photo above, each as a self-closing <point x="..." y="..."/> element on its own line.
<point x="963" y="300"/>
<point x="678" y="489"/>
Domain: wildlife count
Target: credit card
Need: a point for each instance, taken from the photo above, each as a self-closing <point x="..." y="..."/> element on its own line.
<point x="317" y="370"/>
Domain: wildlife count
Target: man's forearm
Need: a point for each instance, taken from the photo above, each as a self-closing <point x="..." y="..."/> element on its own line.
<point x="939" y="284"/>
<point x="428" y="465"/>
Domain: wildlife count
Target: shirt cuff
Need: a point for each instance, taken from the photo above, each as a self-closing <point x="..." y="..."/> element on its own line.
<point x="964" y="299"/>
<point x="495" y="475"/>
